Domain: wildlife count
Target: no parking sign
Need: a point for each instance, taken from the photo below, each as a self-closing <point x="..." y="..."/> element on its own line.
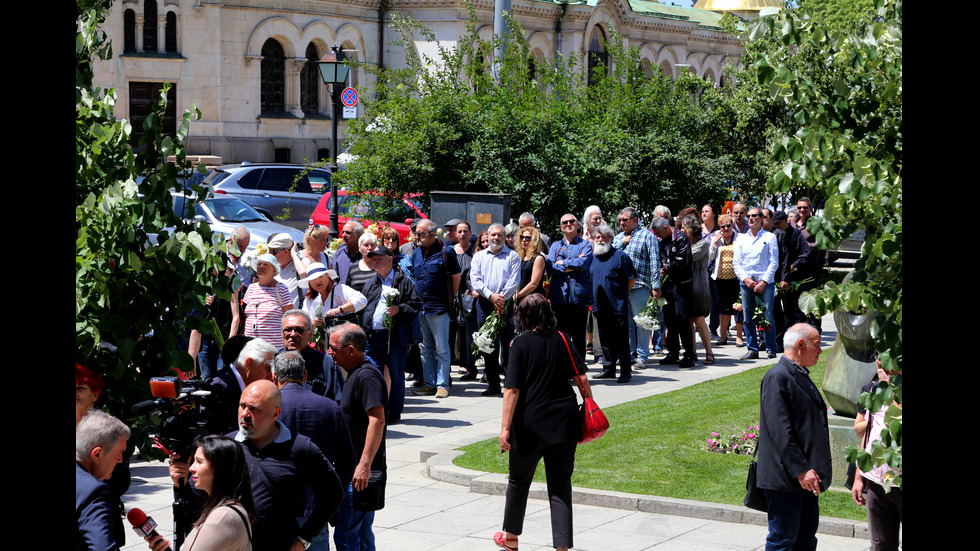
<point x="348" y="98"/>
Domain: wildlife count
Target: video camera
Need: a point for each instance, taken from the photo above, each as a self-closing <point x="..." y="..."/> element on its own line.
<point x="181" y="410"/>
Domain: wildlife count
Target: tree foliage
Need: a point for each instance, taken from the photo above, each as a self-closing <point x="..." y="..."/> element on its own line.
<point x="847" y="142"/>
<point x="139" y="268"/>
<point x="537" y="130"/>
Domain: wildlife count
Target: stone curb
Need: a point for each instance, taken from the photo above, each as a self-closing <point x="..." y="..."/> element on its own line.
<point x="439" y="466"/>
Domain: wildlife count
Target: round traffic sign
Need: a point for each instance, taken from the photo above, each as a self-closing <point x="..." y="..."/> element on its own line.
<point x="348" y="97"/>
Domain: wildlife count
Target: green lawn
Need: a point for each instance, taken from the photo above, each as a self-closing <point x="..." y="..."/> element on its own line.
<point x="656" y="446"/>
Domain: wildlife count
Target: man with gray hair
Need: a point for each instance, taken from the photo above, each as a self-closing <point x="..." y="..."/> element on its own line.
<point x="436" y="282"/>
<point x="613" y="276"/>
<point x="318" y="418"/>
<point x="323" y="377"/>
<point x="100" y="442"/>
<point x="494" y="276"/>
<point x="527" y="221"/>
<point x="254" y="363"/>
<point x="643" y="250"/>
<point x="348" y="253"/>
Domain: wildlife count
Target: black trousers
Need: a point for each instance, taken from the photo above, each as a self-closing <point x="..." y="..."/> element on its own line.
<point x="559" y="462"/>
<point x="614" y="335"/>
<point x="572" y="319"/>
<point x="678" y="328"/>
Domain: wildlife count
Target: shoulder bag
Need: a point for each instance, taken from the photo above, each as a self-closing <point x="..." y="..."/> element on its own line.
<point x="594" y="422"/>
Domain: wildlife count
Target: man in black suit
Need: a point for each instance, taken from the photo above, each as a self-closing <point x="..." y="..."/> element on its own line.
<point x="254" y="363"/>
<point x="318" y="418"/>
<point x="794" y="443"/>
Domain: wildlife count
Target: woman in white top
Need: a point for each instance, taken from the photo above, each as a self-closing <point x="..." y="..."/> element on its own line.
<point x="327" y="298"/>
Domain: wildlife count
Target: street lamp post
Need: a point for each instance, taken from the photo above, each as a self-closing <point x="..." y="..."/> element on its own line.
<point x="334" y="72"/>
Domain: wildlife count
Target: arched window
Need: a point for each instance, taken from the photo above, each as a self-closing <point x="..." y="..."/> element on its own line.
<point x="309" y="82"/>
<point x="597" y="53"/>
<point x="150" y="26"/>
<point x="273" y="76"/>
<point x="129" y="31"/>
<point x="170" y="34"/>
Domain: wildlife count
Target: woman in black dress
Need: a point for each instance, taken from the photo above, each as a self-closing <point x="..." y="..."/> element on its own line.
<point x="540" y="419"/>
<point x="528" y="247"/>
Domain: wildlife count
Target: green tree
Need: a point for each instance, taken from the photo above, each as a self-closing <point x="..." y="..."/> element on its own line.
<point x="847" y="143"/>
<point x="538" y="131"/>
<point x="139" y="268"/>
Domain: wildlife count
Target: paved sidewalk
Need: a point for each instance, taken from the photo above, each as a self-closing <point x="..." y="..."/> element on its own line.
<point x="433" y="505"/>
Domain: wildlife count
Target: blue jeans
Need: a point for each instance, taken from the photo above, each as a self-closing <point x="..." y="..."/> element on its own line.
<point x="209" y="358"/>
<point x="793" y="519"/>
<point x="354" y="530"/>
<point x="435" y="350"/>
<point x="322" y="540"/>
<point x="639" y="337"/>
<point x="748" y="311"/>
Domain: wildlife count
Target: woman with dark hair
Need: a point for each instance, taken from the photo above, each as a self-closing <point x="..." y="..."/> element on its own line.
<point x="540" y="419"/>
<point x="482" y="242"/>
<point x="700" y="298"/>
<point x="709" y="220"/>
<point x="220" y="470"/>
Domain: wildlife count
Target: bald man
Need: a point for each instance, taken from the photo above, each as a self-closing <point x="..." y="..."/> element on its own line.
<point x="281" y="465"/>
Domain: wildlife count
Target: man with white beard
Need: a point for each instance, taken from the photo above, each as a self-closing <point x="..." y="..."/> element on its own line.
<point x="613" y="276"/>
<point x="494" y="275"/>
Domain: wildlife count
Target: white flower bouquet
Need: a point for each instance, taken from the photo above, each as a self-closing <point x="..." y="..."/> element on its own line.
<point x="390" y="296"/>
<point x="649" y="316"/>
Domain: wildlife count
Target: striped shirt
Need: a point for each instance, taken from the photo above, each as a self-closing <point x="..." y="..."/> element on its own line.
<point x="263" y="312"/>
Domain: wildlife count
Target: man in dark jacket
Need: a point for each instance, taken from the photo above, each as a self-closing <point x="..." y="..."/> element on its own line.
<point x="390" y="347"/>
<point x="794" y="443"/>
<point x="794" y="255"/>
<point x="675" y="270"/>
<point x="319" y="419"/>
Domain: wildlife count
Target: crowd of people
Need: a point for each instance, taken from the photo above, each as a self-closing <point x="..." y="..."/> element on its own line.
<point x="316" y="353"/>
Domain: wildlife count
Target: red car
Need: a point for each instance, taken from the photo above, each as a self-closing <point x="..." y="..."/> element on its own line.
<point x="370" y="208"/>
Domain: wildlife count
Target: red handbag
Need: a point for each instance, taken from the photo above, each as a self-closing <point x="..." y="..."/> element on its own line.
<point x="594" y="422"/>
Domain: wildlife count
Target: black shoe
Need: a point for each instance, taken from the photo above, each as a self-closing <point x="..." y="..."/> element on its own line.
<point x="419" y="382"/>
<point x="470" y="376"/>
<point x="483" y="379"/>
<point x="625" y="379"/>
<point x="411" y="377"/>
<point x="605" y="375"/>
<point x="668" y="360"/>
<point x="686" y="362"/>
<point x="750" y="355"/>
<point x="772" y="355"/>
<point x="491" y="392"/>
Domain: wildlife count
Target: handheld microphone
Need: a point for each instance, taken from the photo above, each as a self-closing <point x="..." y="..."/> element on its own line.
<point x="143" y="525"/>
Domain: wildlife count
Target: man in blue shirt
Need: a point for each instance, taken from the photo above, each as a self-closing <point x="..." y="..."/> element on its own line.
<point x="570" y="294"/>
<point x="643" y="249"/>
<point x="613" y="277"/>
<point x="755" y="263"/>
<point x="436" y="282"/>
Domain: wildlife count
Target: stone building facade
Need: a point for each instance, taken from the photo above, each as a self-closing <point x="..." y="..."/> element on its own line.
<point x="249" y="65"/>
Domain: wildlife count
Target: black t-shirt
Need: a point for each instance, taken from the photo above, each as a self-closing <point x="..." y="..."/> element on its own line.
<point x="365" y="389"/>
<point x="547" y="410"/>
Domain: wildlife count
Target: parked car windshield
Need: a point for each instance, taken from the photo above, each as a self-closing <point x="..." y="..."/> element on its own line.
<point x="225" y="209"/>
